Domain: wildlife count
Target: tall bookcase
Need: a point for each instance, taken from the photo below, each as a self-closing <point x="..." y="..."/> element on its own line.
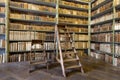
<point x="27" y="20"/>
<point x="74" y="15"/>
<point x="105" y="30"/>
<point x="3" y="31"/>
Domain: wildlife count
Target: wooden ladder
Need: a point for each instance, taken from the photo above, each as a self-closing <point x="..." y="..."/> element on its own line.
<point x="68" y="59"/>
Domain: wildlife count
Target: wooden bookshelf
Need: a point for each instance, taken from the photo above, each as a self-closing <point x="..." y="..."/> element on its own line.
<point x="27" y="20"/>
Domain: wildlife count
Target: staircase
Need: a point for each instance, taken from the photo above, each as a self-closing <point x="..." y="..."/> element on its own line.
<point x="67" y="58"/>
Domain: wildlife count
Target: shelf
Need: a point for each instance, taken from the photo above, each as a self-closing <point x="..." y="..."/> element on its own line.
<point x="28" y="51"/>
<point x="102" y="52"/>
<point x="103" y="22"/>
<point x="72" y="8"/>
<point x="2" y="34"/>
<point x="72" y="24"/>
<point x="1" y="48"/>
<point x="81" y="48"/>
<point x="77" y="41"/>
<point x="117" y="7"/>
<point x="33" y="21"/>
<point x="117" y="55"/>
<point x="33" y="31"/>
<point x="101" y="42"/>
<point x="2" y="4"/>
<point x="78" y="1"/>
<point x="102" y="13"/>
<point x="33" y="11"/>
<point x="80" y="40"/>
<point x="2" y="14"/>
<point x="117" y="30"/>
<point x="101" y="4"/>
<point x="79" y="32"/>
<point x="73" y="16"/>
<point x="2" y="23"/>
<point x="28" y="40"/>
<point x="117" y="43"/>
<point x="101" y="32"/>
<point x="39" y="2"/>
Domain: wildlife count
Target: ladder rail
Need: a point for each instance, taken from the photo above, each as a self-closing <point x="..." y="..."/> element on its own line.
<point x="60" y="51"/>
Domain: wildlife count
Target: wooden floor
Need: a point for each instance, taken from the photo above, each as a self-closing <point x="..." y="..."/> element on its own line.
<point x="94" y="70"/>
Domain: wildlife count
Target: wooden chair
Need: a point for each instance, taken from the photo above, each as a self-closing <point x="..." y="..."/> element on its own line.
<point x="38" y="54"/>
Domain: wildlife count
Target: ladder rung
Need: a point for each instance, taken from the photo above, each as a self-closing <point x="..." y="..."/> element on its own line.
<point x="70" y="60"/>
<point x="72" y="67"/>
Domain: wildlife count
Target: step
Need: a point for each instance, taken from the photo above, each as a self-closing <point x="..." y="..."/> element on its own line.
<point x="72" y="67"/>
<point x="67" y="53"/>
<point x="70" y="60"/>
<point x="37" y="62"/>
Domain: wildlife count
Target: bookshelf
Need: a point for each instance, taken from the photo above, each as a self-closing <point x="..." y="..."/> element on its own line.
<point x="105" y="30"/>
<point x="27" y="20"/>
<point x="30" y="20"/>
<point x="2" y="31"/>
<point x="74" y="15"/>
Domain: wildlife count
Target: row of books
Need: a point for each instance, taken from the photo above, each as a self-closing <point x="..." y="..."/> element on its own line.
<point x="2" y="29"/>
<point x="80" y="37"/>
<point x="27" y="46"/>
<point x="103" y="37"/>
<point x="31" y="17"/>
<point x="26" y="57"/>
<point x="2" y="9"/>
<point x="117" y="50"/>
<point x="73" y="20"/>
<point x="102" y="56"/>
<point x="77" y="45"/>
<point x="105" y="17"/>
<point x="64" y="2"/>
<point x="102" y="8"/>
<point x="106" y="57"/>
<point x="23" y="26"/>
<point x="75" y="37"/>
<point x="116" y="2"/>
<point x="103" y="27"/>
<point x="76" y="29"/>
<point x="117" y="25"/>
<point x="19" y="57"/>
<point x="97" y="2"/>
<point x="81" y="45"/>
<point x="106" y="48"/>
<point x="2" y="58"/>
<point x="72" y="12"/>
<point x="20" y="26"/>
<point x="2" y="1"/>
<point x="2" y="43"/>
<point x="102" y="47"/>
<point x="54" y="1"/>
<point x="2" y="20"/>
<point x="28" y="35"/>
<point x="32" y="6"/>
<point x="117" y="37"/>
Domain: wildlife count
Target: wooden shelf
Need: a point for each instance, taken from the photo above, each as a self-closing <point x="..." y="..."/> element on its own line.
<point x="33" y="21"/>
<point x="50" y="4"/>
<point x="72" y="8"/>
<point x="32" y="11"/>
